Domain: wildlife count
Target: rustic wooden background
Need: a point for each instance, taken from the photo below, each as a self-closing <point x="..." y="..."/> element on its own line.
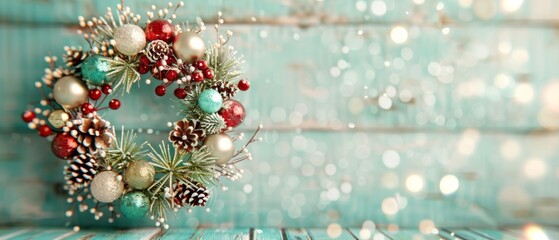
<point x="350" y="115"/>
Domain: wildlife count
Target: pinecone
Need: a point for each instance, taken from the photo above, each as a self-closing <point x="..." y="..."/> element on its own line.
<point x="187" y="135"/>
<point x="80" y="171"/>
<point x="94" y="135"/>
<point x="74" y="56"/>
<point x="157" y="50"/>
<point x="192" y="195"/>
<point x="226" y="89"/>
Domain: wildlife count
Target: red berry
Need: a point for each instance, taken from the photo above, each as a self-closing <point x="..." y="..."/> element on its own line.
<point x="180" y="93"/>
<point x="160" y="90"/>
<point x="144" y="60"/>
<point x="95" y="94"/>
<point x="28" y="116"/>
<point x="201" y="64"/>
<point x="44" y="131"/>
<point x="114" y="104"/>
<point x="88" y="108"/>
<point x="160" y="29"/>
<point x="208" y="73"/>
<point x="171" y="60"/>
<point x="171" y="75"/>
<point x="64" y="145"/>
<point x="143" y="69"/>
<point x="243" y="85"/>
<point x="156" y="73"/>
<point x="106" y="88"/>
<point x="197" y="76"/>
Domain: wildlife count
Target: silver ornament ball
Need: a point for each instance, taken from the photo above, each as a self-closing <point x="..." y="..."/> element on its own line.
<point x="139" y="174"/>
<point x="220" y="146"/>
<point x="70" y="92"/>
<point x="189" y="46"/>
<point x="106" y="187"/>
<point x="129" y="39"/>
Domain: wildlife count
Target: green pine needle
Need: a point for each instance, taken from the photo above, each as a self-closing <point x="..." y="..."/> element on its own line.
<point x="223" y="60"/>
<point x="212" y="123"/>
<point x="123" y="150"/>
<point x="123" y="73"/>
<point x="189" y="105"/>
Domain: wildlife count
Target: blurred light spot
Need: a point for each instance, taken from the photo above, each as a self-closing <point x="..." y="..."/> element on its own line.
<point x="361" y="6"/>
<point x="440" y="6"/>
<point x="307" y="170"/>
<point x="407" y="53"/>
<point x="330" y="169"/>
<point x="391" y="158"/>
<point x="534" y="232"/>
<point x="333" y="194"/>
<point x="550" y="96"/>
<point x="485" y="9"/>
<point x="378" y="7"/>
<point x="389" y="180"/>
<point x="465" y="3"/>
<point x="510" y="149"/>
<point x="399" y="34"/>
<point x="335" y="72"/>
<point x="467" y="144"/>
<point x="520" y="57"/>
<point x="356" y="105"/>
<point x="449" y="184"/>
<point x="548" y="119"/>
<point x="334" y="230"/>
<point x="426" y="226"/>
<point x="509" y="6"/>
<point x="414" y="183"/>
<point x="247" y="188"/>
<point x="346" y="187"/>
<point x="299" y="143"/>
<point x="534" y="168"/>
<point x="524" y="93"/>
<point x="379" y="236"/>
<point x="405" y="95"/>
<point x="418" y="2"/>
<point x="445" y="31"/>
<point x="384" y="102"/>
<point x="502" y="80"/>
<point x="364" y="234"/>
<point x="389" y="206"/>
<point x="505" y="47"/>
<point x="263" y="34"/>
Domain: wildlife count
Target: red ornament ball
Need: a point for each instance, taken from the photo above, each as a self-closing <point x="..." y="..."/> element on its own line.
<point x="201" y="64"/>
<point x="208" y="73"/>
<point x="233" y="113"/>
<point x="88" y="108"/>
<point x="160" y="90"/>
<point x="64" y="145"/>
<point x="28" y="116"/>
<point x="243" y="85"/>
<point x="114" y="104"/>
<point x="160" y="29"/>
<point x="44" y="131"/>
<point x="180" y="93"/>
<point x="106" y="88"/>
<point x="95" y="94"/>
<point x="197" y="76"/>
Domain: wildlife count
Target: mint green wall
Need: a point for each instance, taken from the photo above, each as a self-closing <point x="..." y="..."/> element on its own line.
<point x="328" y="143"/>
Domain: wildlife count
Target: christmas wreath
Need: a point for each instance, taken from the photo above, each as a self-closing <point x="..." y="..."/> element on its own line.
<point x="114" y="172"/>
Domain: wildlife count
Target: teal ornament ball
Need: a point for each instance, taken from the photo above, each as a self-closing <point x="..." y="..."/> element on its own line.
<point x="95" y="69"/>
<point x="210" y="101"/>
<point x="134" y="204"/>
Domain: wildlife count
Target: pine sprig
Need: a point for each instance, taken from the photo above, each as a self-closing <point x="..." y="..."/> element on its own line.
<point x="123" y="73"/>
<point x="123" y="150"/>
<point x="213" y="123"/>
<point x="189" y="105"/>
<point x="223" y="60"/>
<point x="170" y="166"/>
<point x="200" y="166"/>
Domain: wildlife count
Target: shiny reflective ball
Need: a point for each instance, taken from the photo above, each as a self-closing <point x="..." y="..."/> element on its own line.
<point x="160" y="29"/>
<point x="134" y="204"/>
<point x="233" y="112"/>
<point x="58" y="118"/>
<point x="220" y="146"/>
<point x="210" y="101"/>
<point x="139" y="174"/>
<point x="105" y="187"/>
<point x="129" y="39"/>
<point x="94" y="69"/>
<point x="189" y="46"/>
<point x="64" y="145"/>
<point x="70" y="92"/>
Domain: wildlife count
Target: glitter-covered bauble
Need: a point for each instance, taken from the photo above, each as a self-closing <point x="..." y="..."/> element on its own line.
<point x="129" y="39"/>
<point x="160" y="29"/>
<point x="64" y="145"/>
<point x="220" y="146"/>
<point x="210" y="101"/>
<point x="233" y="113"/>
<point x="134" y="204"/>
<point x="70" y="92"/>
<point x="189" y="46"/>
<point x="106" y="187"/>
<point x="58" y="118"/>
<point x="95" y="69"/>
<point x="139" y="174"/>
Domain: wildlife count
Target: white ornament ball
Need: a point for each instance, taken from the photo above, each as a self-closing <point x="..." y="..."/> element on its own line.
<point x="189" y="46"/>
<point x="220" y="146"/>
<point x="106" y="187"/>
<point x="70" y="92"/>
<point x="129" y="39"/>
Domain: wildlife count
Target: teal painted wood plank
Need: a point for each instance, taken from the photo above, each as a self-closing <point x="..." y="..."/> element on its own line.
<point x="361" y="233"/>
<point x="53" y="234"/>
<point x="322" y="233"/>
<point x="132" y="234"/>
<point x="8" y="233"/>
<point x="466" y="234"/>
<point x="495" y="234"/>
<point x="226" y="234"/>
<point x="534" y="231"/>
<point x="30" y="234"/>
<point x="179" y="233"/>
<point x="297" y="234"/>
<point x="408" y="234"/>
<point x="267" y="234"/>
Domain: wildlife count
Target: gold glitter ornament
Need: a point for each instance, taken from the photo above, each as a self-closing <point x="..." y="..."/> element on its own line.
<point x="106" y="186"/>
<point x="139" y="174"/>
<point x="58" y="118"/>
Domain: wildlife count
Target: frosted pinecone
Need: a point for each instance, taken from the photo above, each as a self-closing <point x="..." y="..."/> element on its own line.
<point x="157" y="50"/>
<point x="94" y="135"/>
<point x="187" y="135"/>
<point x="226" y="89"/>
<point x="192" y="195"/>
<point x="80" y="171"/>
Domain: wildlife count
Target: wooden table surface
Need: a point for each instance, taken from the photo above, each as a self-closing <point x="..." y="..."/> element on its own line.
<point x="528" y="232"/>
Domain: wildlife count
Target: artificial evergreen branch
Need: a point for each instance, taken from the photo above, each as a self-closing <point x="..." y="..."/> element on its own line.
<point x="223" y="60"/>
<point x="200" y="166"/>
<point x="123" y="150"/>
<point x="189" y="105"/>
<point x="213" y="123"/>
<point x="123" y="73"/>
